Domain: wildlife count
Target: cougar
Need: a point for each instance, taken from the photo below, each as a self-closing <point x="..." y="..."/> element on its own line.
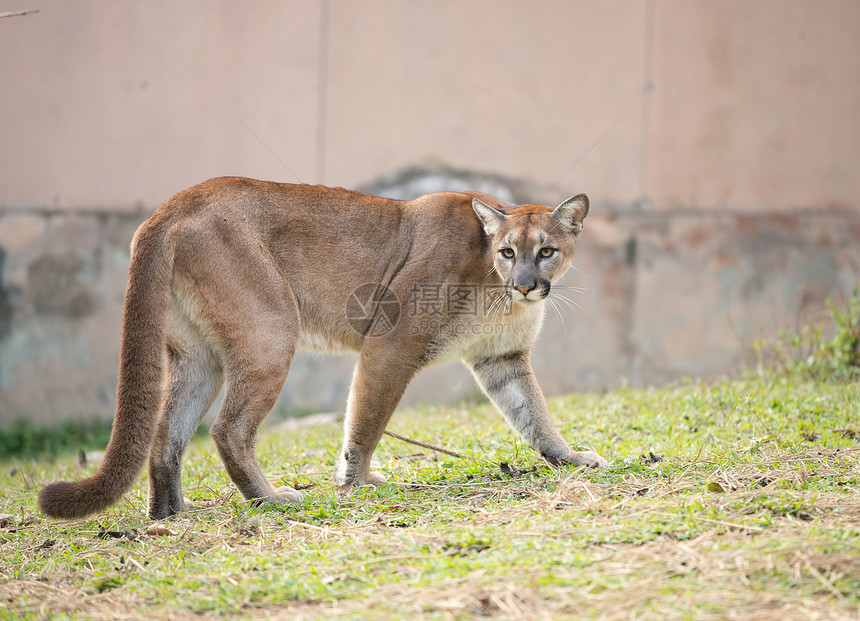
<point x="230" y="278"/>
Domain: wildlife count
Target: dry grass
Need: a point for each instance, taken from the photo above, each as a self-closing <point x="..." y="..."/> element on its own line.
<point x="730" y="515"/>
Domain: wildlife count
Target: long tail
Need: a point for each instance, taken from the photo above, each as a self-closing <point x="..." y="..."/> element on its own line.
<point x="140" y="384"/>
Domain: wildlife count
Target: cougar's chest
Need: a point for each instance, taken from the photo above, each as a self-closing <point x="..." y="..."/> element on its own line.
<point x="486" y="337"/>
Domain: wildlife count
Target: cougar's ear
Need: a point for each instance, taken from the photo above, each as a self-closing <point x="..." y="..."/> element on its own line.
<point x="572" y="212"/>
<point x="490" y="217"/>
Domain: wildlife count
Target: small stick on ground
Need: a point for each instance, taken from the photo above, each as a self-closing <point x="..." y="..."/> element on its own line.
<point x="425" y="445"/>
<point x="18" y="13"/>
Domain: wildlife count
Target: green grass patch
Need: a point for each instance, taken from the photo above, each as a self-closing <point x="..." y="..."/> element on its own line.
<point x="738" y="498"/>
<point x="828" y="350"/>
<point x="24" y="439"/>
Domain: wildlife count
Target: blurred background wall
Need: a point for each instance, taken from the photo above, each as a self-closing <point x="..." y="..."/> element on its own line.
<point x="719" y="143"/>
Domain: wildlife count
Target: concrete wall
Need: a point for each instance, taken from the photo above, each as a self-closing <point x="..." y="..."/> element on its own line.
<point x="718" y="142"/>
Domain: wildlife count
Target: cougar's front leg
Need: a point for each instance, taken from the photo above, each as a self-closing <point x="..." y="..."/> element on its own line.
<point x="510" y="384"/>
<point x="377" y="385"/>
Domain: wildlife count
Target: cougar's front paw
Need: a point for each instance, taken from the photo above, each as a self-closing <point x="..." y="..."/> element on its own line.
<point x="589" y="459"/>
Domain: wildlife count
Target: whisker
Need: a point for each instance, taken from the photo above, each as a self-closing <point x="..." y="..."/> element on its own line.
<point x="567" y="304"/>
<point x="554" y="306"/>
<point x="491" y="309"/>
<point x="579" y="309"/>
<point x="559" y="299"/>
<point x="488" y="305"/>
<point x="574" y="309"/>
<point x="503" y="308"/>
<point x="571" y="288"/>
<point x="494" y="303"/>
<point x="499" y="308"/>
<point x="562" y="298"/>
<point x="496" y="306"/>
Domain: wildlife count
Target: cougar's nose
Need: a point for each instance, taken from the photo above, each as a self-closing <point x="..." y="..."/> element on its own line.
<point x="524" y="289"/>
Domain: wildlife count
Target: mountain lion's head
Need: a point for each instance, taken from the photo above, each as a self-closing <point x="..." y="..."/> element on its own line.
<point x="532" y="244"/>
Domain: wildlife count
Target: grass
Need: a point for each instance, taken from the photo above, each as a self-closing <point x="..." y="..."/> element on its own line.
<point x="733" y="500"/>
<point x="24" y="438"/>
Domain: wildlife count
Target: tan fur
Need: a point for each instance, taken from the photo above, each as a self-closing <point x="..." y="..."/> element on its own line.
<point x="229" y="278"/>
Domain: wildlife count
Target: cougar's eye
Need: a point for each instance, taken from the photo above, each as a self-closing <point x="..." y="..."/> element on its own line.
<point x="508" y="253"/>
<point x="547" y="252"/>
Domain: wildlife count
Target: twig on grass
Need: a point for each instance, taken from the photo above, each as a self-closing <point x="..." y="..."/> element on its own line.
<point x="425" y="445"/>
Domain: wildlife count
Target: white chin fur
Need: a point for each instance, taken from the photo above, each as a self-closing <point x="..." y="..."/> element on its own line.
<point x="532" y="296"/>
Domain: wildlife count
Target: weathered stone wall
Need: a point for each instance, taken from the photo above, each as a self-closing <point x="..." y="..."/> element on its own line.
<point x="718" y="142"/>
<point x="62" y="281"/>
<point x="665" y="295"/>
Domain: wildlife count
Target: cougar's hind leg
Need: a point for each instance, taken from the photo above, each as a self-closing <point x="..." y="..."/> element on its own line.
<point x="377" y="385"/>
<point x="240" y="298"/>
<point x="261" y="336"/>
<point x="251" y="394"/>
<point x="193" y="380"/>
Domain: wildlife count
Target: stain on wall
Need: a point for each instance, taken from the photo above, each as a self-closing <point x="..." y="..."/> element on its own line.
<point x="60" y="285"/>
<point x="5" y="303"/>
